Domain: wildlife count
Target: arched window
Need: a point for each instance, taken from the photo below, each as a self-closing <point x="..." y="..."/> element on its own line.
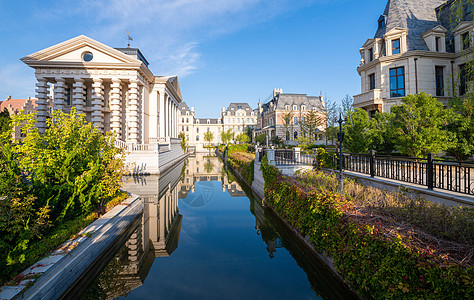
<point x="182" y="120"/>
<point x="295" y="135"/>
<point x="303" y="107"/>
<point x="197" y="138"/>
<point x="187" y="120"/>
<point x="295" y="107"/>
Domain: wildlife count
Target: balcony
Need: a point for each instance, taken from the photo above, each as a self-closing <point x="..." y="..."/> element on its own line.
<point x="368" y="98"/>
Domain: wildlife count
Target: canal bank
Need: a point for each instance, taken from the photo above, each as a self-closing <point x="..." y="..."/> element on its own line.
<point x="223" y="244"/>
<point x="257" y="189"/>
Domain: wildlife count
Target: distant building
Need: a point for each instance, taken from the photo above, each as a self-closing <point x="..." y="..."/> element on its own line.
<point x="15" y="106"/>
<point x="418" y="46"/>
<point x="237" y="117"/>
<point x="271" y="116"/>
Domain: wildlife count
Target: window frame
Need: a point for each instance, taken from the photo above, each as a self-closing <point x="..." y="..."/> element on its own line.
<point x="397" y="88"/>
<point x="371" y="81"/>
<point x="439" y="81"/>
<point x="396" y="50"/>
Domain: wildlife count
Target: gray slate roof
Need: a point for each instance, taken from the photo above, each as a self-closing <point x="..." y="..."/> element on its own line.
<point x="281" y="100"/>
<point x="418" y="16"/>
<point x="183" y="107"/>
<point x="233" y="107"/>
<point x="211" y="121"/>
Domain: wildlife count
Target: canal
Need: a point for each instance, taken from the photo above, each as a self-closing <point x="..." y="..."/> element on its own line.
<point x="203" y="236"/>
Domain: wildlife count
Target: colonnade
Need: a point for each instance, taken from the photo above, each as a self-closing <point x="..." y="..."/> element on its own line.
<point x="126" y="98"/>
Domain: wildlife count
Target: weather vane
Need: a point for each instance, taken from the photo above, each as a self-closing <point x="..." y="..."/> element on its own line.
<point x="129" y="37"/>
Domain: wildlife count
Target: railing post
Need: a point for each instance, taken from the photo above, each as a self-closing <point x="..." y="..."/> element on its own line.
<point x="257" y="154"/>
<point x="430" y="171"/>
<point x="297" y="154"/>
<point x="315" y="160"/>
<point x="372" y="163"/>
<point x="271" y="156"/>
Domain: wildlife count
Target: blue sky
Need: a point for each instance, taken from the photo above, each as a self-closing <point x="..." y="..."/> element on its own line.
<point x="222" y="50"/>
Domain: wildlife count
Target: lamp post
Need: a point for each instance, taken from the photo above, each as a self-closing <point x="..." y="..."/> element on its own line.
<point x="340" y="138"/>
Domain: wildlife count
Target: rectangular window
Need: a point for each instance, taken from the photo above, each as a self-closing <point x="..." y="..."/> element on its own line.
<point x="397" y="82"/>
<point x="463" y="78"/>
<point x="396" y="46"/>
<point x="68" y="96"/>
<point x="372" y="82"/>
<point x="438" y="41"/>
<point x="439" y="79"/>
<point x="466" y="40"/>
<point x="197" y="130"/>
<point x="295" y="121"/>
<point x="371" y="54"/>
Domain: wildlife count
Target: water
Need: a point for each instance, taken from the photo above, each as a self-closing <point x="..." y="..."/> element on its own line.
<point x="202" y="237"/>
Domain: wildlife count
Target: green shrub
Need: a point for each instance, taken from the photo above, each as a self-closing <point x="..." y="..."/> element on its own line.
<point x="376" y="258"/>
<point x="48" y="179"/>
<point x="326" y="160"/>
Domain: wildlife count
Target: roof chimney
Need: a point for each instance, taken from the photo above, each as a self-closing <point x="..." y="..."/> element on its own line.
<point x="277" y="91"/>
<point x="9" y="97"/>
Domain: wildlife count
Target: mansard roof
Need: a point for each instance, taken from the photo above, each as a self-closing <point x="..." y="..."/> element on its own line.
<point x="418" y="16"/>
<point x="233" y="107"/>
<point x="280" y="101"/>
<point x="203" y="121"/>
<point x="183" y="107"/>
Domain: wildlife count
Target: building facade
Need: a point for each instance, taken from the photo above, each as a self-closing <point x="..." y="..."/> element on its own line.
<point x="113" y="87"/>
<point x="16" y="106"/>
<point x="418" y="46"/>
<point x="273" y="116"/>
<point x="237" y="117"/>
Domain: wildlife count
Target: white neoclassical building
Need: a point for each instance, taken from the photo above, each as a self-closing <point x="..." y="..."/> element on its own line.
<point x="113" y="87"/>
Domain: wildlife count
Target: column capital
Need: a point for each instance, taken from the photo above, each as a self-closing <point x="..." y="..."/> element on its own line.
<point x="98" y="80"/>
<point x="60" y="80"/>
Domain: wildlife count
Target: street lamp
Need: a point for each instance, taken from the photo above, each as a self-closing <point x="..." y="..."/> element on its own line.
<point x="340" y="138"/>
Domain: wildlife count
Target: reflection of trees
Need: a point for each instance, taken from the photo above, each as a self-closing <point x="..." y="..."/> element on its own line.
<point x="209" y="166"/>
<point x="107" y="280"/>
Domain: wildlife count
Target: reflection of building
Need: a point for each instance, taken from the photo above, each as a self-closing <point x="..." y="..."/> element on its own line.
<point x="200" y="170"/>
<point x="265" y="228"/>
<point x="155" y="235"/>
<point x="237" y="117"/>
<point x="418" y="46"/>
<point x="113" y="87"/>
<point x="284" y="115"/>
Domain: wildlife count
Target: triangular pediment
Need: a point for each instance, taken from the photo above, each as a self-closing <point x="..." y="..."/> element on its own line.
<point x="73" y="50"/>
<point x="396" y="31"/>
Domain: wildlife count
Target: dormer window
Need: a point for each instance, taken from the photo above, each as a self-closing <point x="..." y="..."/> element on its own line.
<point x="466" y="40"/>
<point x="396" y="46"/>
<point x="303" y="107"/>
<point x="438" y="43"/>
<point x="287" y="107"/>
<point x="371" y="54"/>
<point x="208" y="122"/>
<point x="381" y="21"/>
<point x="294" y="107"/>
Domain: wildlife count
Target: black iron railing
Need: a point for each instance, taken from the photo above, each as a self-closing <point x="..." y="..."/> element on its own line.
<point x="453" y="176"/>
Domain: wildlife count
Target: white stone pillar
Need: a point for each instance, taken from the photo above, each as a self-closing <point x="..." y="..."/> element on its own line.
<point x="116" y="108"/>
<point x="59" y="95"/>
<point x="133" y="111"/>
<point x="79" y="95"/>
<point x="161" y="115"/>
<point x="98" y="104"/>
<point x="42" y="92"/>
<point x="168" y="110"/>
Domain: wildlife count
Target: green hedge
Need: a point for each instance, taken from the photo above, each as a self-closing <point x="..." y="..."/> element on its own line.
<point x="244" y="163"/>
<point x="376" y="266"/>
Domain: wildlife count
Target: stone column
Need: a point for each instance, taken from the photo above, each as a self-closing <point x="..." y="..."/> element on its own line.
<point x="133" y="111"/>
<point x="98" y="104"/>
<point x="116" y="108"/>
<point x="42" y="103"/>
<point x="168" y="110"/>
<point x="78" y="96"/>
<point x="59" y="94"/>
<point x="161" y="116"/>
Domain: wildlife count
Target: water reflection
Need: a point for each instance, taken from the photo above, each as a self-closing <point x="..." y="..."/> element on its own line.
<point x="221" y="253"/>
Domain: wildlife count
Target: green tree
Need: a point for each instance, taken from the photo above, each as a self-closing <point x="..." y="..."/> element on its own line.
<point x="5" y="121"/>
<point x="462" y="127"/>
<point x="382" y="133"/>
<point x="312" y="121"/>
<point x="288" y="124"/>
<point x="420" y="126"/>
<point x="261" y="139"/>
<point x="276" y="140"/>
<point x="182" y="137"/>
<point x="356" y="131"/>
<point x="227" y="136"/>
<point x="48" y="178"/>
<point x="208" y="136"/>
<point x="242" y="138"/>
<point x="249" y="132"/>
<point x="346" y="105"/>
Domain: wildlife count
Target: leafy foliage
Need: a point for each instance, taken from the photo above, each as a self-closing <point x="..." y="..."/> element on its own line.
<point x="47" y="179"/>
<point x="208" y="136"/>
<point x="242" y="138"/>
<point x="240" y="158"/>
<point x="462" y="127"/>
<point x="419" y="125"/>
<point x="227" y="136"/>
<point x="261" y="139"/>
<point x="377" y="259"/>
<point x="5" y="121"/>
<point x="381" y="133"/>
<point x="182" y="137"/>
<point x="357" y="137"/>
